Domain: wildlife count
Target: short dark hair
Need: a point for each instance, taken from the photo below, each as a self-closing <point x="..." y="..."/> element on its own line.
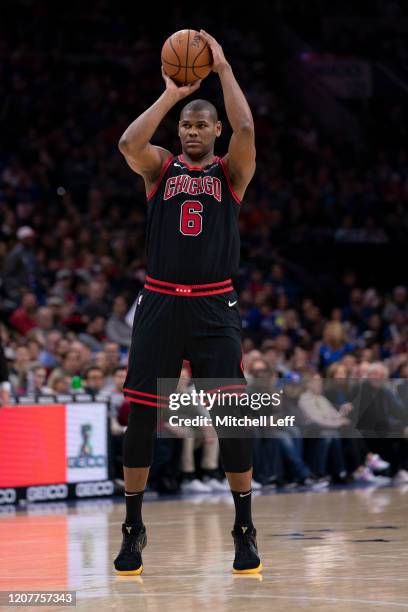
<point x="200" y="105"/>
<point x="119" y="369"/>
<point x="91" y="368"/>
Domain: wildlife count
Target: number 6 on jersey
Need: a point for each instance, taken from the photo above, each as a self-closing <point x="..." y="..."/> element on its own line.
<point x="191" y="221"/>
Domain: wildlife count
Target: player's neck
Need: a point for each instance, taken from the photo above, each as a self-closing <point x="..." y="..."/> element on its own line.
<point x="200" y="162"/>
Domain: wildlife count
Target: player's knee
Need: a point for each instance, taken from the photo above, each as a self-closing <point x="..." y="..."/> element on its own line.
<point x="138" y="442"/>
<point x="236" y="454"/>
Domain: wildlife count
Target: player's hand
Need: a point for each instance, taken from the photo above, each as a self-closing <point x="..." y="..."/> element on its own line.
<point x="219" y="60"/>
<point x="180" y="91"/>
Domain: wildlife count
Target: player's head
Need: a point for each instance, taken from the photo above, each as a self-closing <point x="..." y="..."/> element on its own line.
<point x="198" y="128"/>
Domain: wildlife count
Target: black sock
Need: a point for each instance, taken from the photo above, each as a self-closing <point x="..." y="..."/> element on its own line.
<point x="242" y="501"/>
<point x="134" y="507"/>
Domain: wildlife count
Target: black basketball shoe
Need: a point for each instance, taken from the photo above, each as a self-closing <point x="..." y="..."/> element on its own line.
<point x="246" y="552"/>
<point x="129" y="560"/>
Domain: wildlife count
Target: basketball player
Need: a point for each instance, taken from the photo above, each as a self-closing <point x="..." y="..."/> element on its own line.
<point x="188" y="306"/>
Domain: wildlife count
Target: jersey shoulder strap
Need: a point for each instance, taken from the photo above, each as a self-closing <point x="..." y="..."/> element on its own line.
<point x="159" y="180"/>
<point x="228" y="179"/>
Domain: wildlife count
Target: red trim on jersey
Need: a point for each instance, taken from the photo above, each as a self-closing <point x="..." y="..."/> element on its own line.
<point x="206" y="286"/>
<point x="188" y="290"/>
<point x="188" y="293"/>
<point x="163" y="397"/>
<point x="183" y="161"/>
<point x="227" y="176"/>
<point x="159" y="180"/>
<point x="144" y="402"/>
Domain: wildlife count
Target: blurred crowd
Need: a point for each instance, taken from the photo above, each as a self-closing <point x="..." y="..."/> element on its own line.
<point x="72" y="220"/>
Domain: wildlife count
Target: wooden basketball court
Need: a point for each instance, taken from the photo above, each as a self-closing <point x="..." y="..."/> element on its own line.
<point x="335" y="550"/>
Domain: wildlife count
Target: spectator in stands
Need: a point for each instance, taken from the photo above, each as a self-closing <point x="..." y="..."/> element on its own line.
<point x="111" y="349"/>
<point x="71" y="366"/>
<point x="384" y="420"/>
<point x="23" y="319"/>
<point x="63" y="287"/>
<point x="20" y="369"/>
<point x="95" y="305"/>
<point x="48" y="355"/>
<point x="278" y="452"/>
<point x="341" y="391"/>
<point x="34" y="346"/>
<point x="20" y="268"/>
<point x="94" y="380"/>
<point x="117" y="328"/>
<point x="334" y="344"/>
<point x="84" y="353"/>
<point x="291" y="438"/>
<point x="37" y="379"/>
<point x="94" y="335"/>
<point x="60" y="384"/>
<point x="45" y="319"/>
<point x="398" y="303"/>
<point x="325" y="424"/>
<point x="348" y="361"/>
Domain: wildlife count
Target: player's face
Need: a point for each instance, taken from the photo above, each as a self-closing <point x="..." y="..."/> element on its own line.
<point x="197" y="132"/>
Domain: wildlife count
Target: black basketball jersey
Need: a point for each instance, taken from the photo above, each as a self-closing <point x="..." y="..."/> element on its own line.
<point x="192" y="224"/>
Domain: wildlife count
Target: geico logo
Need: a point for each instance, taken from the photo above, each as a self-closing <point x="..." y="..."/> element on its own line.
<point x="84" y="462"/>
<point x="59" y="491"/>
<point x="88" y="489"/>
<point x="8" y="496"/>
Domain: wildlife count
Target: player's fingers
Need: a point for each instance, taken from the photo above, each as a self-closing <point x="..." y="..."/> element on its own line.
<point x="195" y="84"/>
<point x="207" y="36"/>
<point x="212" y="42"/>
<point x="165" y="75"/>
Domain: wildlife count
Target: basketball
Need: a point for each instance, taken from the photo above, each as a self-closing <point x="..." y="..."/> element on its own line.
<point x="186" y="57"/>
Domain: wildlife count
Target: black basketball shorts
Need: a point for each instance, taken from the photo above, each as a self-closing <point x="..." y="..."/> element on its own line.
<point x="199" y="323"/>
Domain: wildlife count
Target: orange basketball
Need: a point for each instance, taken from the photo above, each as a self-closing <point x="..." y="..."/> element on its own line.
<point x="186" y="57"/>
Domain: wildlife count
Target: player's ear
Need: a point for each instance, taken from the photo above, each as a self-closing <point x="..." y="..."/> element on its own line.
<point x="218" y="128"/>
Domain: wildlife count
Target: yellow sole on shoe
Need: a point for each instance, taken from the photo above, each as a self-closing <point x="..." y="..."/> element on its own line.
<point x="254" y="570"/>
<point x="135" y="572"/>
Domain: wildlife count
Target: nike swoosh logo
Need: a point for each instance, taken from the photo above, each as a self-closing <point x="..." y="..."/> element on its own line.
<point x="232" y="303"/>
<point x="178" y="165"/>
<point x="245" y="494"/>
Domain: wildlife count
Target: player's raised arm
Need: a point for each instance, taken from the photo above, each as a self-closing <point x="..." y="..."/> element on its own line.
<point x="143" y="157"/>
<point x="241" y="152"/>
